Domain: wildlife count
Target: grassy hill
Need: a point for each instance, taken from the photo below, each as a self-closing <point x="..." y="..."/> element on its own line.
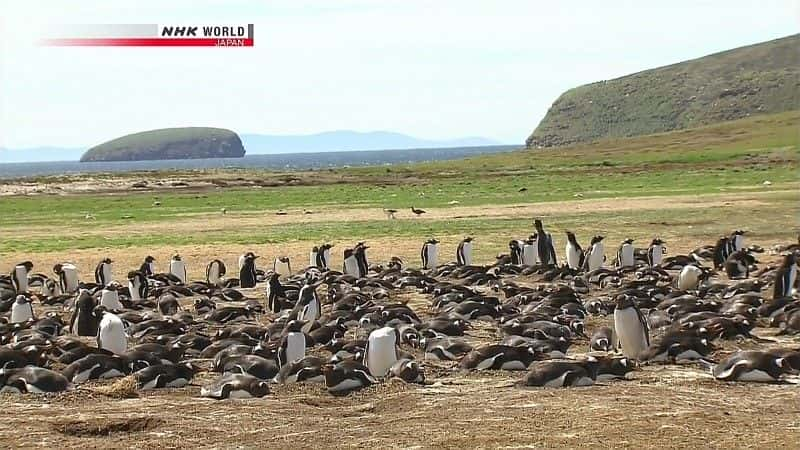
<point x="757" y="79"/>
<point x="169" y="143"/>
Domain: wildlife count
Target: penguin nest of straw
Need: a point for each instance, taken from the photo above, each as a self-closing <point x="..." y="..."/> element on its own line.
<point x="122" y="388"/>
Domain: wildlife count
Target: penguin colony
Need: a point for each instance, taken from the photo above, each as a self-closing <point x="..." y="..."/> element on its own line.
<point x="347" y="330"/>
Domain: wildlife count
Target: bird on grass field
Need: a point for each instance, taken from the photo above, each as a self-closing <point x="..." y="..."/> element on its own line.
<point x="390" y="213"/>
<point x="418" y="212"/>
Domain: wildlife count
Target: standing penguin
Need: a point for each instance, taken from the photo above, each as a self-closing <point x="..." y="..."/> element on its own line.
<point x="314" y="258"/>
<point x="360" y="252"/>
<point x="722" y="250"/>
<point x="103" y="273"/>
<point x="275" y="293"/>
<point x="381" y="351"/>
<point x="430" y="254"/>
<point x="67" y="277"/>
<point x="785" y="277"/>
<point x="109" y="298"/>
<point x="282" y="266"/>
<point x="464" y="252"/>
<point x="324" y="256"/>
<point x="21" y="310"/>
<point x="655" y="253"/>
<point x="574" y="252"/>
<point x="515" y="248"/>
<point x="596" y="254"/>
<point x="737" y="266"/>
<point x="84" y="322"/>
<point x="690" y="277"/>
<point x="148" y="267"/>
<point x="19" y="276"/>
<point x="292" y="346"/>
<point x="350" y="264"/>
<point x="178" y="268"/>
<point x="111" y="334"/>
<point x="247" y="273"/>
<point x="625" y="254"/>
<point x="530" y="251"/>
<point x="547" y="252"/>
<point x="308" y="305"/>
<point x="630" y="327"/>
<point x="137" y="285"/>
<point x="737" y="240"/>
<point x="215" y="270"/>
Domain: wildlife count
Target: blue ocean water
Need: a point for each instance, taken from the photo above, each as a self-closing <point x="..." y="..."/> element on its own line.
<point x="287" y="161"/>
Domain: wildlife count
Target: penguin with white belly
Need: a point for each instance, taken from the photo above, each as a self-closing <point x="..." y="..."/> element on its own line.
<point x="530" y="251"/>
<point x="625" y="255"/>
<point x="464" y="252"/>
<point x="67" y="277"/>
<point x="292" y="345"/>
<point x="111" y="333"/>
<point x="430" y="254"/>
<point x="360" y="252"/>
<point x="547" y="252"/>
<point x="148" y="267"/>
<point x="103" y="274"/>
<point x="19" y="276"/>
<point x="574" y="252"/>
<point x="282" y="266"/>
<point x="785" y="277"/>
<point x="109" y="297"/>
<point x="656" y="252"/>
<point x="381" y="351"/>
<point x="690" y="277"/>
<point x="215" y="270"/>
<point x="350" y="263"/>
<point x="138" y="286"/>
<point x="595" y="255"/>
<point x="247" y="271"/>
<point x="21" y="310"/>
<point x="630" y="327"/>
<point x="178" y="268"/>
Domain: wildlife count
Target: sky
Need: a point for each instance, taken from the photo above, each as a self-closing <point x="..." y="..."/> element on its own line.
<point x="434" y="70"/>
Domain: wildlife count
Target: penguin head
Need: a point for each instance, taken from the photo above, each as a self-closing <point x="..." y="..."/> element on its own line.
<point x="27" y="265"/>
<point x="149" y="259"/>
<point x="537" y="223"/>
<point x="106" y="260"/>
<point x="21" y="299"/>
<point x="99" y="311"/>
<point x="628" y="241"/>
<point x="468" y="239"/>
<point x="58" y="268"/>
<point x="176" y="257"/>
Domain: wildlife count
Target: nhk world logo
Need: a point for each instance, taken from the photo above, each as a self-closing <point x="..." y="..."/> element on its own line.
<point x="149" y="35"/>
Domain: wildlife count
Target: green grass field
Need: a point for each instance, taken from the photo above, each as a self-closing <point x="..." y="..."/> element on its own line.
<point x="731" y="158"/>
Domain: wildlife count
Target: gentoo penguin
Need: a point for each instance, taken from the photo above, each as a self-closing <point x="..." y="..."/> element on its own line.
<point x="84" y="322"/>
<point x="95" y="366"/>
<point x="785" y="277"/>
<point x="148" y="267"/>
<point x="625" y="254"/>
<point x="19" y="276"/>
<point x="464" y="252"/>
<point x="595" y="255"/>
<point x="235" y="385"/>
<point x="602" y="340"/>
<point x="559" y="373"/>
<point x="690" y="277"/>
<point x="757" y="366"/>
<point x="574" y="252"/>
<point x="655" y="253"/>
<point x="275" y="293"/>
<point x="430" y="254"/>
<point x="407" y="370"/>
<point x="737" y="266"/>
<point x="630" y="327"/>
<point x="67" y="277"/>
<point x="168" y="304"/>
<point x="51" y="288"/>
<point x="530" y="251"/>
<point x="103" y="272"/>
<point x="350" y="264"/>
<point x="360" y="252"/>
<point x="307" y="369"/>
<point x="215" y="270"/>
<point x="547" y="252"/>
<point x="499" y="357"/>
<point x="21" y="310"/>
<point x="323" y="258"/>
<point x="737" y="240"/>
<point x="293" y="343"/>
<point x="247" y="271"/>
<point x="111" y="335"/>
<point x="308" y="305"/>
<point x="314" y="258"/>
<point x="381" y="351"/>
<point x="164" y="376"/>
<point x="346" y="376"/>
<point x="109" y="297"/>
<point x="722" y="250"/>
<point x="178" y="268"/>
<point x="32" y="379"/>
<point x="282" y="266"/>
<point x="515" y="249"/>
<point x="138" y="286"/>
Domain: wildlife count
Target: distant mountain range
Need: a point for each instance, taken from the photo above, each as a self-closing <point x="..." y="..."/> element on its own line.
<point x="257" y="144"/>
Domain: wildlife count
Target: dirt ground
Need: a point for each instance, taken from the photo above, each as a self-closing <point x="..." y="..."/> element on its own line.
<point x="664" y="406"/>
